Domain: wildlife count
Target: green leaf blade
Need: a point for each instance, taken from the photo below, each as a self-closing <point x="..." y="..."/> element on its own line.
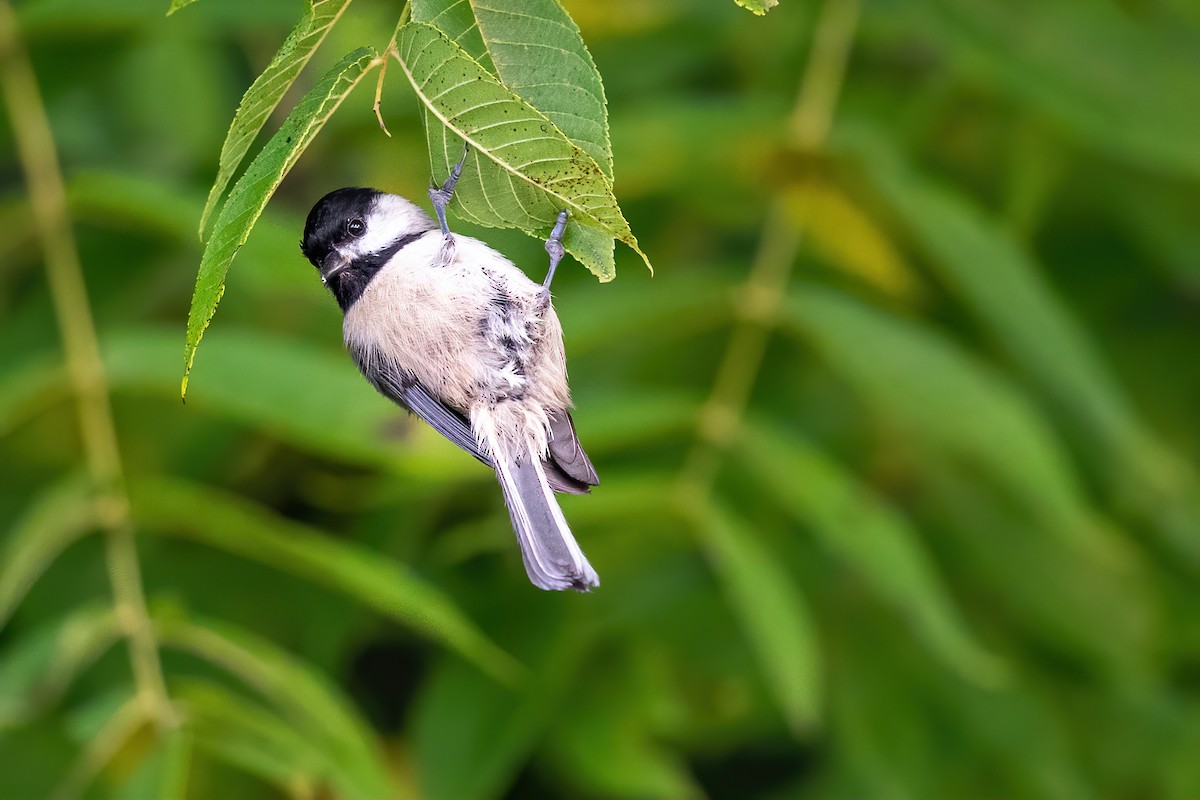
<point x="308" y="700"/>
<point x="547" y="172"/>
<point x="757" y="7"/>
<point x="519" y="204"/>
<point x="177" y="5"/>
<point x="538" y="53"/>
<point x="1003" y="286"/>
<point x="57" y="518"/>
<point x="771" y="609"/>
<point x="873" y="538"/>
<point x="164" y="771"/>
<point x="237" y="526"/>
<point x="241" y="732"/>
<point x="504" y="724"/>
<point x="267" y="90"/>
<point x="1044" y="55"/>
<point x="940" y="397"/>
<point x="41" y="665"/>
<point x="251" y="193"/>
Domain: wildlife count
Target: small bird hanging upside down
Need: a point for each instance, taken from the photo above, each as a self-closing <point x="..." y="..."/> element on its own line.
<point x="448" y="328"/>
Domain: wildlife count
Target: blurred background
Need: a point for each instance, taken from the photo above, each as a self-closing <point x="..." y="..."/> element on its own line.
<point x="897" y="445"/>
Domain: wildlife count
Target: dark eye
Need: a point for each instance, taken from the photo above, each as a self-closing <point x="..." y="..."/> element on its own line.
<point x="355" y="227"/>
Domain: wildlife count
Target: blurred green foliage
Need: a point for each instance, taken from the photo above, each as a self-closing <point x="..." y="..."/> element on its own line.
<point x="897" y="445"/>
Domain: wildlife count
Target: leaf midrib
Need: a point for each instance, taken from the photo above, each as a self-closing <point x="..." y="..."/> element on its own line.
<point x="508" y="168"/>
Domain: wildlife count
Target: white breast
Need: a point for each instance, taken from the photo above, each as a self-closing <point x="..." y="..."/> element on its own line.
<point x="430" y="315"/>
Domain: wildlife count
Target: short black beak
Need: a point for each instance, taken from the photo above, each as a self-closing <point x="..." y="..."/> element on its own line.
<point x="334" y="263"/>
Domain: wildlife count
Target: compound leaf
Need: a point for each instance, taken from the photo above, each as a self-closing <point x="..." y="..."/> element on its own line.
<point x="255" y="187"/>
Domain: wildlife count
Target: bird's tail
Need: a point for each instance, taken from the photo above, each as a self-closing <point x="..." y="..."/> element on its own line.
<point x="552" y="557"/>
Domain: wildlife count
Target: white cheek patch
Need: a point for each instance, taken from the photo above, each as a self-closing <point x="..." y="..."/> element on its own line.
<point x="390" y="218"/>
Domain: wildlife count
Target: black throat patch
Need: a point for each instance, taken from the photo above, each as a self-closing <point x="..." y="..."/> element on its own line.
<point x="349" y="284"/>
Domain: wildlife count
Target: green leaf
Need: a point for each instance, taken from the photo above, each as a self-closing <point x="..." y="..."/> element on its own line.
<point x="267" y="90"/>
<point x="1045" y="54"/>
<point x="139" y="203"/>
<point x="249" y="736"/>
<point x="225" y="521"/>
<point x="945" y="400"/>
<point x="1092" y="610"/>
<point x="605" y="747"/>
<point x="57" y="517"/>
<point x="255" y="187"/>
<point x="28" y="388"/>
<point x="38" y="667"/>
<point x="286" y="388"/>
<point x="461" y="717"/>
<point x="50" y="18"/>
<point x="282" y="387"/>
<point x="178" y="4"/>
<point x="772" y="611"/>
<point x="872" y="537"/>
<point x="846" y="237"/>
<point x="538" y="53"/>
<point x="543" y="172"/>
<point x="105" y="726"/>
<point x="1003" y="286"/>
<point x="306" y="697"/>
<point x="163" y="772"/>
<point x="758" y="7"/>
<point x="487" y="196"/>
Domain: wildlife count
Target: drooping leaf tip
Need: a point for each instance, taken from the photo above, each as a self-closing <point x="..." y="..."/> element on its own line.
<point x="633" y="245"/>
<point x="646" y="261"/>
<point x="757" y="7"/>
<point x="177" y="5"/>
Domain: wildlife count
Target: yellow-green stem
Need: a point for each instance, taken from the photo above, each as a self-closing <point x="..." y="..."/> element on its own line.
<point x="764" y="288"/>
<point x="47" y="196"/>
<point x="822" y="84"/>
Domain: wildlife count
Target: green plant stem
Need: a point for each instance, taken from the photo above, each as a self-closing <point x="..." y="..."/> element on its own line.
<point x="822" y="83"/>
<point x="102" y="748"/>
<point x="47" y="195"/>
<point x="783" y="231"/>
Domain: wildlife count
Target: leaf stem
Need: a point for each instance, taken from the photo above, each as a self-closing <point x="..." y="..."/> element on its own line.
<point x="47" y="195"/>
<point x="782" y="234"/>
<point x="388" y="51"/>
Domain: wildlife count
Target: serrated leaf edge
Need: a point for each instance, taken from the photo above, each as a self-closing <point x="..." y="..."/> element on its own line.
<point x="228" y="162"/>
<point x="631" y="241"/>
<point x="351" y="60"/>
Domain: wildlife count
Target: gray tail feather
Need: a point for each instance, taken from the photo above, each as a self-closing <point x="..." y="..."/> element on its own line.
<point x="552" y="557"/>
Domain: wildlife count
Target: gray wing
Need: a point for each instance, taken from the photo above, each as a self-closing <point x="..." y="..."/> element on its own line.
<point x="400" y="387"/>
<point x="568" y="468"/>
<point x="567" y="454"/>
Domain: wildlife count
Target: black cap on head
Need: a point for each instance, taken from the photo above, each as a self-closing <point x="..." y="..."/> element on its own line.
<point x="327" y="223"/>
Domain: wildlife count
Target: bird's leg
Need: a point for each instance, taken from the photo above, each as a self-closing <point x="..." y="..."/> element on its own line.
<point x="441" y="196"/>
<point x="554" y="247"/>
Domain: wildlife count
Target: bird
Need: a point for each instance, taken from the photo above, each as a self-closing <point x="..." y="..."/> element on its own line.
<point x="445" y="326"/>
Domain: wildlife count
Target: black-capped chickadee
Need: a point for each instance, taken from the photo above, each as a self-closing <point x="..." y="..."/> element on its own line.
<point x="448" y="328"/>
